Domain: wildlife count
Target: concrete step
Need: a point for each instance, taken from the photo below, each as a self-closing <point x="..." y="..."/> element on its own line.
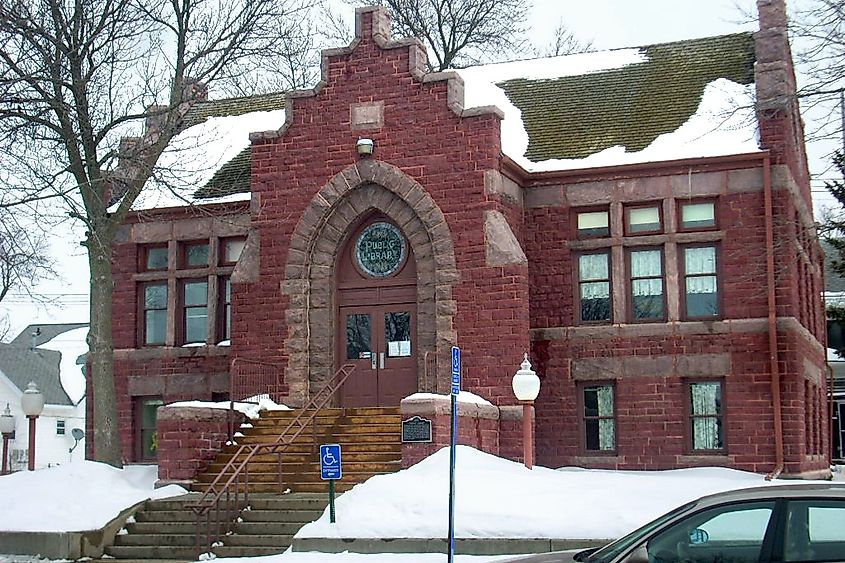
<point x="281" y="541"/>
<point x="154" y="539"/>
<point x="391" y="447"/>
<point x="342" y="439"/>
<point x="246" y="551"/>
<point x="323" y="420"/>
<point x="268" y="528"/>
<point x="301" y="516"/>
<point x="152" y="552"/>
<point x="161" y="527"/>
<point x="289" y="502"/>
<point x="292" y="468"/>
<point x="165" y="516"/>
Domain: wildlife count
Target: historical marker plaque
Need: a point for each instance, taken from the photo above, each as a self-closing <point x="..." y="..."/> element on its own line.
<point x="416" y="429"/>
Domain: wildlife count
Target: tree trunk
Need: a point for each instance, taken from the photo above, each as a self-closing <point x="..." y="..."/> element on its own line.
<point x="100" y="345"/>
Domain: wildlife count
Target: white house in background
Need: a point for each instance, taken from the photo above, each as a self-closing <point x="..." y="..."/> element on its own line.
<point x="53" y="356"/>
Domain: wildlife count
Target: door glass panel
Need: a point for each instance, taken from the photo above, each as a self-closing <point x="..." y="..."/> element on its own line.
<point x="397" y="334"/>
<point x="358" y="337"/>
<point x="814" y="531"/>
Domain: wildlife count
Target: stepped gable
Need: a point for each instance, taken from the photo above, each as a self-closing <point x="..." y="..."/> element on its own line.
<point x="629" y="106"/>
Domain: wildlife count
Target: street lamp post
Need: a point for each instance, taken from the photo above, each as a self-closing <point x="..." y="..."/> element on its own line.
<point x="7" y="427"/>
<point x="526" y="387"/>
<point x="32" y="403"/>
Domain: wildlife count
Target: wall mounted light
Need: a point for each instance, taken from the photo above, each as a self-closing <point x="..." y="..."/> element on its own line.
<point x="364" y="147"/>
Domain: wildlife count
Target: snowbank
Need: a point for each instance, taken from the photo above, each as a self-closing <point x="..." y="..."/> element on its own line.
<point x="498" y="498"/>
<point x="75" y="497"/>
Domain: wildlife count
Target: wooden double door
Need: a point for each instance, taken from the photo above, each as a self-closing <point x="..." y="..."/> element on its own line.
<point x="380" y="341"/>
<point x="377" y="315"/>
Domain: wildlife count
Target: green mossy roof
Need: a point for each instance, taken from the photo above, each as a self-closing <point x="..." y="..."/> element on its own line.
<point x="571" y="116"/>
<point x="576" y="116"/>
<point x="234" y="176"/>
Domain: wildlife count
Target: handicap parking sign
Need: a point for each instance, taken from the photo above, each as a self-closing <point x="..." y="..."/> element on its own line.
<point x="330" y="462"/>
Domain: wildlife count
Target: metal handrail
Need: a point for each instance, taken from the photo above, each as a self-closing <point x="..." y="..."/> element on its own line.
<point x="229" y="493"/>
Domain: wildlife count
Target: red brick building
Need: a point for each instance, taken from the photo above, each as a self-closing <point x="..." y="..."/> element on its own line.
<point x="668" y="293"/>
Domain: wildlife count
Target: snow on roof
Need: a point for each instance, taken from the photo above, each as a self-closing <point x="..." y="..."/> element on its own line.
<point x="71" y="345"/>
<point x="194" y="155"/>
<point x="662" y="102"/>
<point x="480" y="87"/>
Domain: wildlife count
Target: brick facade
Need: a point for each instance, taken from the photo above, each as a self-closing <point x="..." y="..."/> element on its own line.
<point x="496" y="255"/>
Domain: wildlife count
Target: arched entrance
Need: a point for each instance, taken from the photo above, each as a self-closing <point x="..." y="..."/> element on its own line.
<point x="376" y="282"/>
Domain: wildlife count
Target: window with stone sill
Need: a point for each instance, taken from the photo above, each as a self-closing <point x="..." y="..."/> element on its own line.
<point x="194" y="317"/>
<point x="598" y="417"/>
<point x="700" y="281"/>
<point x="697" y="215"/>
<point x="154" y="257"/>
<point x="706" y="416"/>
<point x="195" y="254"/>
<point x="643" y="219"/>
<point x="646" y="295"/>
<point x="594" y="287"/>
<point x="154" y="313"/>
<point x="231" y="249"/>
<point x="193" y="321"/>
<point x="592" y="223"/>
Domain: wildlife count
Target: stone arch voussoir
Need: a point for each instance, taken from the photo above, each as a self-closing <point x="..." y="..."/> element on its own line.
<point x="309" y="273"/>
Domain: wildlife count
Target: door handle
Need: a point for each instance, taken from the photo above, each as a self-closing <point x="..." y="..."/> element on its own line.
<point x="372" y="361"/>
<point x="381" y="360"/>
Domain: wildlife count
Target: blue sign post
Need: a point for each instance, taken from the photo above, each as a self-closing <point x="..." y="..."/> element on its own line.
<point x="330" y="470"/>
<point x="456" y="389"/>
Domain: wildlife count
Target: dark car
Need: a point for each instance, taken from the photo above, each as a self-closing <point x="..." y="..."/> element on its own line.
<point x="776" y="524"/>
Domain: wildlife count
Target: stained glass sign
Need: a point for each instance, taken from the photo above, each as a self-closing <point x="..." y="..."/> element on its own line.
<point x="380" y="250"/>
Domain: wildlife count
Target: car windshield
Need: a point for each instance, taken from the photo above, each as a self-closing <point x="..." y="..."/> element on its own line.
<point x="611" y="550"/>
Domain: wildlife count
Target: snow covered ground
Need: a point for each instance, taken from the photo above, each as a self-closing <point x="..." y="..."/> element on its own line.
<point x="494" y="498"/>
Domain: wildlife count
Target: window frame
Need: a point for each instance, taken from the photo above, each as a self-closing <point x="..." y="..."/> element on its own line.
<point x="222" y="250"/>
<point x="61" y="427"/>
<point x="576" y="232"/>
<point x="224" y="326"/>
<point x="626" y="218"/>
<point x="144" y="257"/>
<point x="689" y="417"/>
<point x="139" y="429"/>
<point x="608" y="252"/>
<point x="680" y="203"/>
<point x="682" y="281"/>
<point x="629" y="283"/>
<point x="142" y="309"/>
<point x="183" y="254"/>
<point x="182" y="308"/>
<point x="581" y="387"/>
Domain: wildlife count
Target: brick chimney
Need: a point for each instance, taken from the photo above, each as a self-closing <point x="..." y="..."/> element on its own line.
<point x="781" y="127"/>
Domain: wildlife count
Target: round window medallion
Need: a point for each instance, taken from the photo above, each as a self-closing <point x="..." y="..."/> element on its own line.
<point x="380" y="250"/>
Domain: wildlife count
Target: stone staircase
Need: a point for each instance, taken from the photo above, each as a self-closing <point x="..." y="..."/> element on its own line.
<point x="370" y="439"/>
<point x="164" y="529"/>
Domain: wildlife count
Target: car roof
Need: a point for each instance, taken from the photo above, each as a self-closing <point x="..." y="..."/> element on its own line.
<point x="777" y="490"/>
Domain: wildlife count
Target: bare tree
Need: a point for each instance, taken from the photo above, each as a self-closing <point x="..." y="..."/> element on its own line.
<point x="460" y="33"/>
<point x="564" y="42"/>
<point x="24" y="261"/>
<point x="76" y="77"/>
